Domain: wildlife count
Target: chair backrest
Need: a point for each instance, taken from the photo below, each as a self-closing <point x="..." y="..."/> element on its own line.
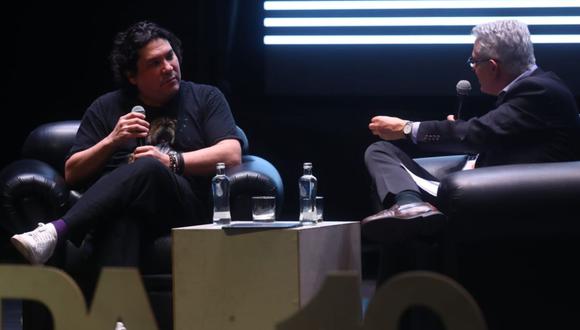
<point x="243" y="140"/>
<point x="51" y="142"/>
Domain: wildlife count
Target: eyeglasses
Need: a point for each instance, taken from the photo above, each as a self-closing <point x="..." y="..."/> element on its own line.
<point x="473" y="62"/>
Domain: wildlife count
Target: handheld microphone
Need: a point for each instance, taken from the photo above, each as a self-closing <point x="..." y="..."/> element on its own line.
<point x="463" y="88"/>
<point x="139" y="109"/>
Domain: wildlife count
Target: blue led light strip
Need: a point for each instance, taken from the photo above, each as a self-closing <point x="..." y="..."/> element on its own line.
<point x="428" y="4"/>
<point x="401" y="39"/>
<point x="412" y="21"/>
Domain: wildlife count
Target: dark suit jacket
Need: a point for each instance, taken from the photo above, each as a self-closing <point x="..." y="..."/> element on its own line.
<point x="535" y="121"/>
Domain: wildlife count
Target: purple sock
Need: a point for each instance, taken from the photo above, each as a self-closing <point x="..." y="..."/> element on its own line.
<point x="61" y="228"/>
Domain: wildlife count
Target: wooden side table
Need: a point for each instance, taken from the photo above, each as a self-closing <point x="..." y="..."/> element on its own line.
<point x="252" y="279"/>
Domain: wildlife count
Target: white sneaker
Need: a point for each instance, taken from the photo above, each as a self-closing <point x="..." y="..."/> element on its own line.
<point x="37" y="246"/>
<point x="120" y="326"/>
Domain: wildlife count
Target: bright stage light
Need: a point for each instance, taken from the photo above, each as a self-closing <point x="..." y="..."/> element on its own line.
<point x="360" y="5"/>
<point x="412" y="21"/>
<point x="400" y="39"/>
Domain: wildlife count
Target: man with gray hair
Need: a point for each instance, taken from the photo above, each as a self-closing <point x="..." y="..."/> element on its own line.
<point x="535" y="120"/>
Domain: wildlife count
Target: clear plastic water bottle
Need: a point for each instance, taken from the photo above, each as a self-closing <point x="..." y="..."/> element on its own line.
<point x="220" y="187"/>
<point x="307" y="187"/>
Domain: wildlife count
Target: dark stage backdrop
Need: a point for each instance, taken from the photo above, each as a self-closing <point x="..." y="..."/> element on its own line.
<point x="57" y="65"/>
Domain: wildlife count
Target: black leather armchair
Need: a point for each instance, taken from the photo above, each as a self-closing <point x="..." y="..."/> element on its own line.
<point x="33" y="190"/>
<point x="513" y="239"/>
<point x="524" y="200"/>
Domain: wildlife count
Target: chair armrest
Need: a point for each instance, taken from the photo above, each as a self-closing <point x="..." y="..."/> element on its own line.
<point x="255" y="176"/>
<point x="31" y="191"/>
<point x="540" y="198"/>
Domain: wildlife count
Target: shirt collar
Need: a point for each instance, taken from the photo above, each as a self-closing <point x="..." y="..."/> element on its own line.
<point x="526" y="73"/>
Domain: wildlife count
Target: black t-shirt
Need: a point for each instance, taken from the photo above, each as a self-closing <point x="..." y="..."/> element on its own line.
<point x="200" y="117"/>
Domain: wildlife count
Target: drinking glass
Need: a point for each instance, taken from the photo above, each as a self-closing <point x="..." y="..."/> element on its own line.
<point x="319" y="208"/>
<point x="263" y="208"/>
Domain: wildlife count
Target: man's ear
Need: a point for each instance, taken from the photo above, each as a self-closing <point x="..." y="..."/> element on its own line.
<point x="131" y="77"/>
<point x="494" y="65"/>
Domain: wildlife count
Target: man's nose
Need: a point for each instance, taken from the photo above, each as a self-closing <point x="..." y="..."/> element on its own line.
<point x="167" y="66"/>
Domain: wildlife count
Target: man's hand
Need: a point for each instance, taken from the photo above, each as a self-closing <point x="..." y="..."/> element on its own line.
<point x="387" y="128"/>
<point x="130" y="126"/>
<point x="151" y="151"/>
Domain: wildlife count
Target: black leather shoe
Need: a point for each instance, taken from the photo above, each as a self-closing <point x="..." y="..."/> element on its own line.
<point x="401" y="222"/>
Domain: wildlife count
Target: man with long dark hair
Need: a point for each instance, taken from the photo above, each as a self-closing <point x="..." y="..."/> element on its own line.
<point x="152" y="186"/>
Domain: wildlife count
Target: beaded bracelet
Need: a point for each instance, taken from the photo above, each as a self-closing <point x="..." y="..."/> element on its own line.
<point x="176" y="162"/>
<point x="172" y="161"/>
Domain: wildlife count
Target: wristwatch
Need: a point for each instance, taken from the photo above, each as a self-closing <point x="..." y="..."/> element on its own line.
<point x="408" y="129"/>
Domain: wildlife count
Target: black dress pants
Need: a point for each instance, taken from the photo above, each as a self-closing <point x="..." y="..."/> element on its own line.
<point x="138" y="201"/>
<point x="383" y="161"/>
<point x="122" y="211"/>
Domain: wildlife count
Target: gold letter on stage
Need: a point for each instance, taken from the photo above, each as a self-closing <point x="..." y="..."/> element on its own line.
<point x="119" y="295"/>
<point x="337" y="304"/>
<point x="49" y="286"/>
<point x="445" y="297"/>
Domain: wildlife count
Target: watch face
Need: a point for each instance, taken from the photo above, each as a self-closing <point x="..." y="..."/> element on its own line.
<point x="407" y="128"/>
